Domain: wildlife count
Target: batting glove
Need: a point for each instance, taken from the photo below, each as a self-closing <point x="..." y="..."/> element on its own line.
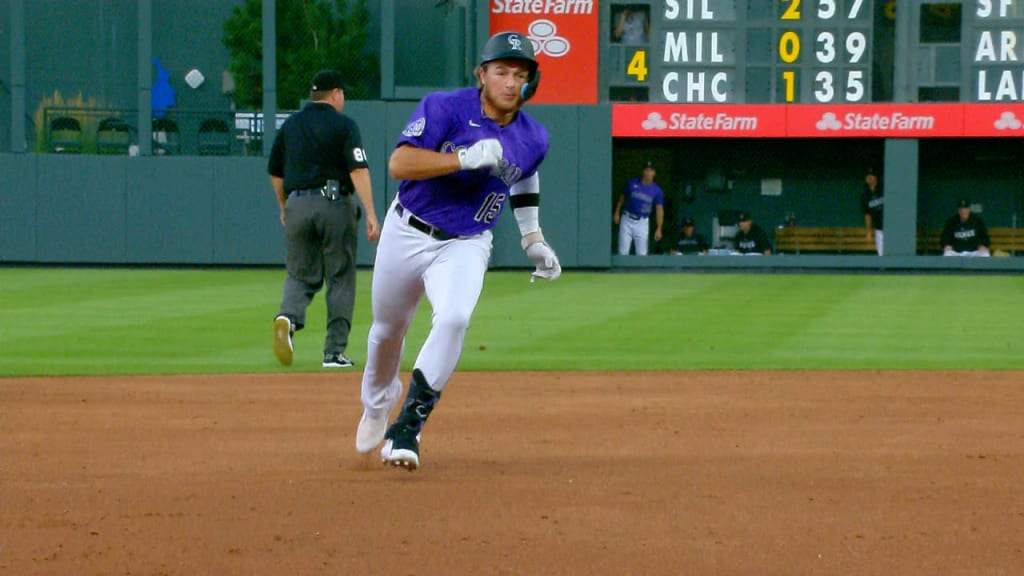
<point x="546" y="261"/>
<point x="483" y="154"/>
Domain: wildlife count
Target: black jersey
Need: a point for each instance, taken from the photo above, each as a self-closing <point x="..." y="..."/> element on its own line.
<point x="873" y="203"/>
<point x="755" y="241"/>
<point x="965" y="236"/>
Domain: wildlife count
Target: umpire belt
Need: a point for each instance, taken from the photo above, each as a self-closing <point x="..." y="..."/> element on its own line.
<point x="321" y="191"/>
<point x="435" y="233"/>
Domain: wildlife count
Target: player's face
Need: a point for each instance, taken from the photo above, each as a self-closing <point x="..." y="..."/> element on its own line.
<point x="648" y="174"/>
<point x="965" y="213"/>
<point x="745" y="225"/>
<point x="871" y="180"/>
<point x="503" y="82"/>
<point x="688" y="231"/>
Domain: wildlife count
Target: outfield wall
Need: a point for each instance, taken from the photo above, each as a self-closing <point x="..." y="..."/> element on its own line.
<point x="161" y="210"/>
<point x="86" y="209"/>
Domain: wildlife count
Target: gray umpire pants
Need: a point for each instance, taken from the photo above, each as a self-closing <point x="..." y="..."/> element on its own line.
<point x="320" y="242"/>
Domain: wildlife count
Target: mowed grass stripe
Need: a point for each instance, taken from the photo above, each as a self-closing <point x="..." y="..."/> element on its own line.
<point x="128" y="321"/>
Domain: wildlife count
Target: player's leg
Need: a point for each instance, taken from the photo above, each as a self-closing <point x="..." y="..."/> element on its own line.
<point x="396" y="290"/>
<point x="304" y="267"/>
<point x="453" y="283"/>
<point x="641" y="237"/>
<point x="879" y="241"/>
<point x="337" y="226"/>
<point x="624" y="235"/>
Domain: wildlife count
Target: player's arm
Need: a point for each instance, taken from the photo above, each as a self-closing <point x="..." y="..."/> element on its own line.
<point x="411" y="163"/>
<point x="947" y="236"/>
<point x="524" y="197"/>
<point x="616" y="216"/>
<point x="659" y="219"/>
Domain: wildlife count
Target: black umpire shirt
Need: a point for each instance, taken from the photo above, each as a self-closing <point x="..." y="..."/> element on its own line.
<point x="315" y="145"/>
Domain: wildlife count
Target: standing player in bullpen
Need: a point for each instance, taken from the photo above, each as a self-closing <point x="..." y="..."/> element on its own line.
<point x="640" y="198"/>
<point x="461" y="158"/>
<point x="965" y="233"/>
<point x="872" y="205"/>
<point x="751" y="239"/>
<point x="316" y="163"/>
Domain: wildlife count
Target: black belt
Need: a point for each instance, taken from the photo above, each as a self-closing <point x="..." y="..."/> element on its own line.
<point x="321" y="191"/>
<point x="422" y="226"/>
<point x="634" y="217"/>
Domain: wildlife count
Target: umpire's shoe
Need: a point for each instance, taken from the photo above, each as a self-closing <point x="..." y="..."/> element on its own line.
<point x="402" y="439"/>
<point x="283" y="330"/>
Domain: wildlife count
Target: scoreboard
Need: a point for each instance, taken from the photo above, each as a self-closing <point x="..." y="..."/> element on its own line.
<point x="757" y="51"/>
<point x="824" y="68"/>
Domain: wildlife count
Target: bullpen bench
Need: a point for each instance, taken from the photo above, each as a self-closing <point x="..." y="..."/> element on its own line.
<point x="830" y="240"/>
<point x="1009" y="240"/>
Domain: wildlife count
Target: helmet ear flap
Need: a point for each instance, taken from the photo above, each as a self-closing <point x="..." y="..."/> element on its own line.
<point x="530" y="88"/>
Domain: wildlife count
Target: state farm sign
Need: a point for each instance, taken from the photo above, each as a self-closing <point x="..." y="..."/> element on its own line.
<point x="667" y="120"/>
<point x="875" y="120"/>
<point x="818" y="120"/>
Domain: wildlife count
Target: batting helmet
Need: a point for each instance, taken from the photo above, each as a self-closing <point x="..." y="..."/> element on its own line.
<point x="516" y="46"/>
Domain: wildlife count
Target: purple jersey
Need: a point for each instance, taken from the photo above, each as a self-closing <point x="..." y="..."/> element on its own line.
<point x="468" y="202"/>
<point x="642" y="198"/>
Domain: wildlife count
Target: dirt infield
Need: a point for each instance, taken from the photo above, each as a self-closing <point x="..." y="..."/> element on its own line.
<point x="709" y="473"/>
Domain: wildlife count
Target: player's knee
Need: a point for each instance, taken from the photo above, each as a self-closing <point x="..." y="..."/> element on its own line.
<point x="453" y="322"/>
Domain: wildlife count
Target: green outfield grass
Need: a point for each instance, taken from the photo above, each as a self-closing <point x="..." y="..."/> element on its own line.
<point x="143" y="321"/>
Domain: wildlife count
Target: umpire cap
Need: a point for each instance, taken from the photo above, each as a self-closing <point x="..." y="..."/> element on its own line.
<point x="518" y="47"/>
<point x="326" y="80"/>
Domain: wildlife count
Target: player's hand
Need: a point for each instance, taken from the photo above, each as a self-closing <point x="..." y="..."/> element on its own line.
<point x="282" y="217"/>
<point x="483" y="154"/>
<point x="546" y="261"/>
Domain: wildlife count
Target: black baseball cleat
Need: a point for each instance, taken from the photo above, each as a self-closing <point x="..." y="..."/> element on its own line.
<point x="401" y="447"/>
<point x="402" y="440"/>
<point x="337" y="360"/>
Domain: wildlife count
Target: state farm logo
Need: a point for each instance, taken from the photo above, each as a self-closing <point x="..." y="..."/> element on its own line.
<point x="545" y="39"/>
<point x="654" y="121"/>
<point x="856" y="121"/>
<point x="542" y="7"/>
<point x="720" y="122"/>
<point x="829" y="122"/>
<point x="1007" y="121"/>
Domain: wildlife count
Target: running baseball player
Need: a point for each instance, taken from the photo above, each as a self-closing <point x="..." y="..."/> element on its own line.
<point x="965" y="233"/>
<point x="461" y="158"/>
<point x="641" y="197"/>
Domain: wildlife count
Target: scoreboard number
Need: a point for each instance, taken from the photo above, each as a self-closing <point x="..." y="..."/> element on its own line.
<point x="638" y="65"/>
<point x="761" y="51"/>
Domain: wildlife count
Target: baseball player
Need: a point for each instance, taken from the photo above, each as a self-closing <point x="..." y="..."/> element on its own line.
<point x="316" y="163"/>
<point x="640" y="197"/>
<point x="872" y="205"/>
<point x="751" y="239"/>
<point x="690" y="242"/>
<point x="461" y="158"/>
<point x="965" y="233"/>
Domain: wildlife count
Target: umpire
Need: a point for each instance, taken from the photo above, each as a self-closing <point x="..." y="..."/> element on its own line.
<point x="316" y="163"/>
